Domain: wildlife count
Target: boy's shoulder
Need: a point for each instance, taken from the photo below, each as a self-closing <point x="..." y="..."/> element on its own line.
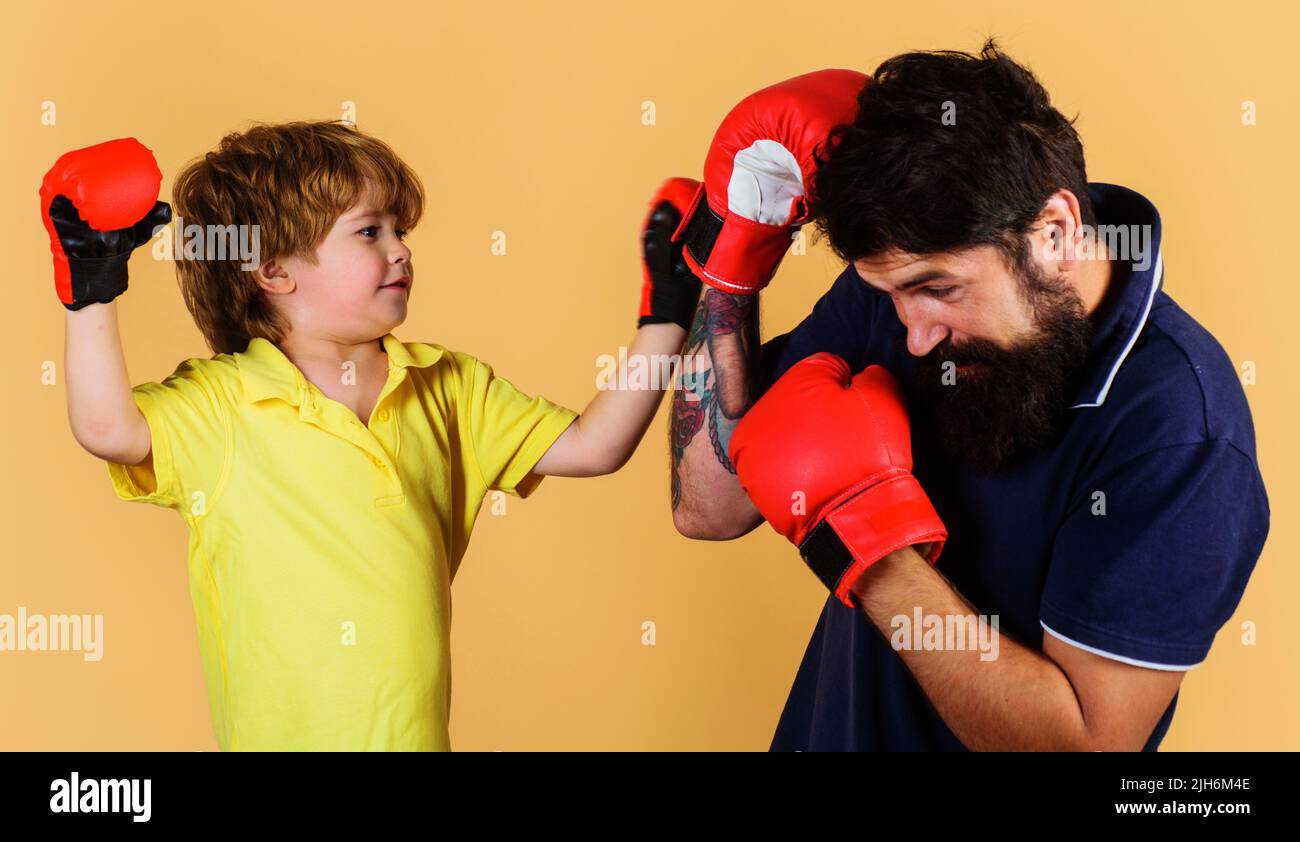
<point x="217" y="374"/>
<point x="457" y="376"/>
<point x="262" y="368"/>
<point x="447" y="374"/>
<point x="439" y="360"/>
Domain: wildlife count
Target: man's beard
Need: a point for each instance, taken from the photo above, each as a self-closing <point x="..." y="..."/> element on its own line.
<point x="1014" y="402"/>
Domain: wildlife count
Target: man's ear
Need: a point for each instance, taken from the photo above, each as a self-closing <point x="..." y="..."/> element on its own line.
<point x="1058" y="238"/>
<point x="274" y="278"/>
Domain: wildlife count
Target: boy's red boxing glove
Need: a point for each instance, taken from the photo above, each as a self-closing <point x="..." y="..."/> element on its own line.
<point x="98" y="204"/>
<point x="669" y="290"/>
<point x="827" y="459"/>
<point x="752" y="200"/>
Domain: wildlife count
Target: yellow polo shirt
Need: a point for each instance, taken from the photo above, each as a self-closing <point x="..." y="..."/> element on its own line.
<point x="321" y="549"/>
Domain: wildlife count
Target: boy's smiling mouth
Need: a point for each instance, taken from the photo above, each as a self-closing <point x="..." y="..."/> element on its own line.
<point x="401" y="283"/>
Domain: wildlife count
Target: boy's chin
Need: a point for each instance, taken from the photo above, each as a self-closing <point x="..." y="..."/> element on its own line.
<point x="383" y="324"/>
<point x="389" y="325"/>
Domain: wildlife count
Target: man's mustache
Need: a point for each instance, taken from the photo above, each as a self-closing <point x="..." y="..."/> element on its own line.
<point x="969" y="352"/>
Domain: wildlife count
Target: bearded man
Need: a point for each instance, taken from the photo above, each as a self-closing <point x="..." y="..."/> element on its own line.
<point x="996" y="414"/>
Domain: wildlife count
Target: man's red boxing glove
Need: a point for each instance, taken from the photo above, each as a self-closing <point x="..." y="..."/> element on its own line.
<point x="752" y="200"/>
<point x="827" y="459"/>
<point x="669" y="290"/>
<point x="98" y="204"/>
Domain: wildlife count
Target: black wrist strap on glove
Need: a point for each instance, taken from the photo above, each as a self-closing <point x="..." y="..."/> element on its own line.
<point x="826" y="555"/>
<point x="675" y="290"/>
<point x="702" y="231"/>
<point x="97" y="260"/>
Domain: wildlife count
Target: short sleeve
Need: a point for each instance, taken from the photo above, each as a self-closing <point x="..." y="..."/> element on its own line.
<point x="1155" y="553"/>
<point x="509" y="430"/>
<point x="188" y="430"/>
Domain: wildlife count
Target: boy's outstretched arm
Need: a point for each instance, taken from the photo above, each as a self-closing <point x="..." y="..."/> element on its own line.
<point x="604" y="437"/>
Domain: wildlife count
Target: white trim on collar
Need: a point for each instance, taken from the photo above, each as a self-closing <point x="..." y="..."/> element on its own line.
<point x="1156" y="277"/>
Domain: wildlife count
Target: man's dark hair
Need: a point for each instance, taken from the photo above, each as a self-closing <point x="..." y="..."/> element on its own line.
<point x="948" y="150"/>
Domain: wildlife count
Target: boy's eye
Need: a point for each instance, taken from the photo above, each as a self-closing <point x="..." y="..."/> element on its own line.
<point x="373" y="231"/>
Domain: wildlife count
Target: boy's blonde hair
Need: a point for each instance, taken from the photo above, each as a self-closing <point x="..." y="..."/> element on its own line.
<point x="292" y="180"/>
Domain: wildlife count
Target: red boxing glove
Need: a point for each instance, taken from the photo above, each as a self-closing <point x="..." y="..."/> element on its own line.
<point x="98" y="204"/>
<point x="752" y="201"/>
<point x="669" y="290"/>
<point x="846" y="446"/>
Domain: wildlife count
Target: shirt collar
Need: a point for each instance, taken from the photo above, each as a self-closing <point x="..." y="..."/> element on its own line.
<point x="1134" y="281"/>
<point x="267" y="373"/>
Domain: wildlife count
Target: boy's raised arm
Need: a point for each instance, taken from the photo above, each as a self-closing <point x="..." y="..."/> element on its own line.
<point x="98" y="204"/>
<point x="104" y="417"/>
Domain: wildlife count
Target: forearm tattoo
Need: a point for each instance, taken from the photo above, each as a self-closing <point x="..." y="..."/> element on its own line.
<point x="717" y="376"/>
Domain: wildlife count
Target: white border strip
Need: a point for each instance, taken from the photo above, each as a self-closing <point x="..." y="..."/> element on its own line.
<point x="1114" y="657"/>
<point x="1151" y="297"/>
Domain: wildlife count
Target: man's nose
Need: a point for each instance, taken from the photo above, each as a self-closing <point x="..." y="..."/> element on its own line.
<point x="922" y="334"/>
<point x="923" y="337"/>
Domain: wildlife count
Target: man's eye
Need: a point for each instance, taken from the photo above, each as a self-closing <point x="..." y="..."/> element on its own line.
<point x="938" y="292"/>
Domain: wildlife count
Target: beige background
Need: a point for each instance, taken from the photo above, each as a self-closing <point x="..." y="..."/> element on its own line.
<point x="527" y="118"/>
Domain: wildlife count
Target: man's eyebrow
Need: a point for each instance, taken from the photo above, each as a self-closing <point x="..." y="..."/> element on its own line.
<point x="924" y="277"/>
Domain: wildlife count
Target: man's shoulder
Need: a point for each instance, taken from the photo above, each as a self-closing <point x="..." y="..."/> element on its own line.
<point x="851" y="319"/>
<point x="1179" y="386"/>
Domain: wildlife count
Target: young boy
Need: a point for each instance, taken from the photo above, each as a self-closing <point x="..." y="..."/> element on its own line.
<point x="329" y="474"/>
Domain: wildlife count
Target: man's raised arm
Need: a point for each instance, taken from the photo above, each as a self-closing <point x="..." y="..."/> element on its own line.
<point x="718" y="385"/>
<point x="735" y="234"/>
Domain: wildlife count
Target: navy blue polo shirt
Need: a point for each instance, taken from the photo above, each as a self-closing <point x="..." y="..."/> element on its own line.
<point x="1161" y="426"/>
